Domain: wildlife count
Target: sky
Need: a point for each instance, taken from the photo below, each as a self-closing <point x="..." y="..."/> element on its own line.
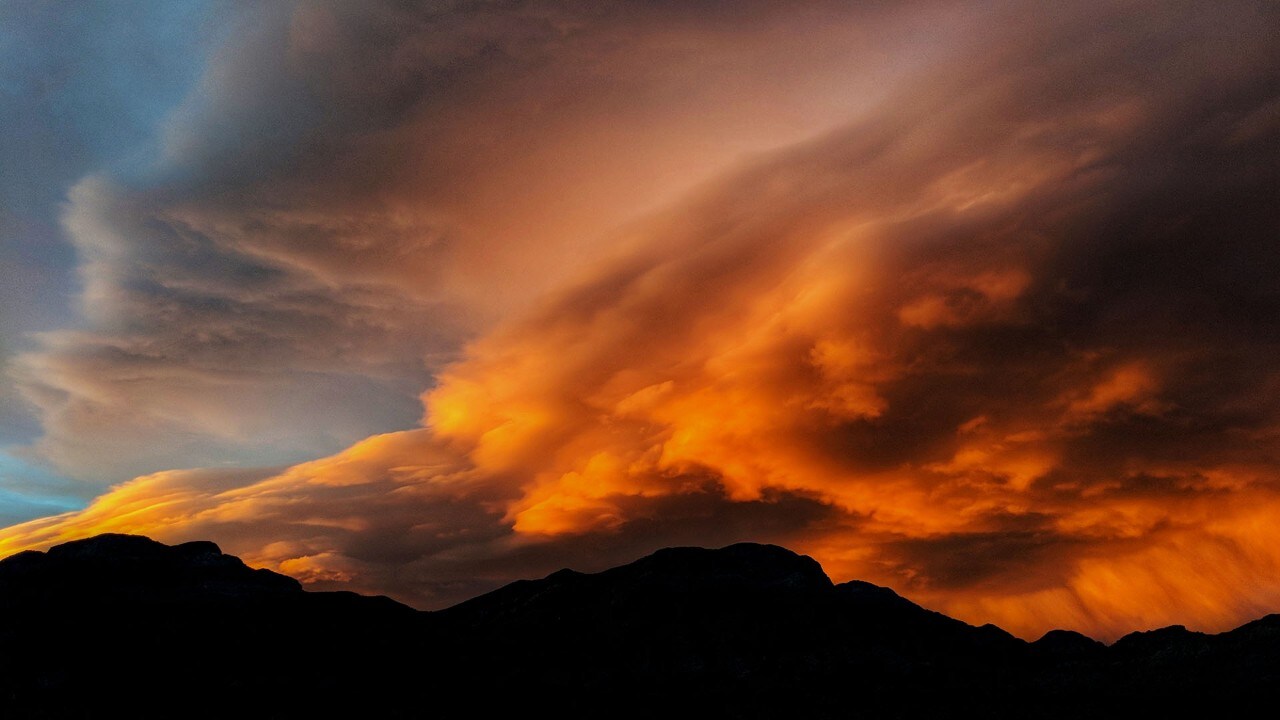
<point x="976" y="300"/>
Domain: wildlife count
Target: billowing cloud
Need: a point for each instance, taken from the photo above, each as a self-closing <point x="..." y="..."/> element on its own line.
<point x="353" y="190"/>
<point x="1001" y="341"/>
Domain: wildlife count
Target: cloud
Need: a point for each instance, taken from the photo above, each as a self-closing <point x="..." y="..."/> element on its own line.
<point x="350" y="192"/>
<point x="1002" y="342"/>
<point x="196" y="353"/>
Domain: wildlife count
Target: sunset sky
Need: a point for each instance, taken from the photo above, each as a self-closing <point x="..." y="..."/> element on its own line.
<point x="976" y="300"/>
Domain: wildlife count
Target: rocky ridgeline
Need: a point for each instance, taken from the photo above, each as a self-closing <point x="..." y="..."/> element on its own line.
<point x="123" y="624"/>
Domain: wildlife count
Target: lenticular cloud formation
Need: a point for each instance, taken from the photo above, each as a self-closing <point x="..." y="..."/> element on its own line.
<point x="984" y="315"/>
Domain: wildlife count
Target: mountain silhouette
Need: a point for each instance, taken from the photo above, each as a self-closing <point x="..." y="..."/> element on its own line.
<point x="121" y="624"/>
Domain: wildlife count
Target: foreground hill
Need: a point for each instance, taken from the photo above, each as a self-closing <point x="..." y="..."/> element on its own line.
<point x="121" y="624"/>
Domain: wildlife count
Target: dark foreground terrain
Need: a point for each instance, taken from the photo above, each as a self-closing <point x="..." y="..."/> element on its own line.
<point x="122" y="626"/>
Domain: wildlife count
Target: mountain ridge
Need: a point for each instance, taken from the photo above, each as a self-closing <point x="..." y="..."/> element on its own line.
<point x="747" y="630"/>
<point x="118" y="546"/>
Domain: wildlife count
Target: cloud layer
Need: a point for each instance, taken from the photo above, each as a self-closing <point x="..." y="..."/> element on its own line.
<point x="1001" y="339"/>
<point x="353" y="190"/>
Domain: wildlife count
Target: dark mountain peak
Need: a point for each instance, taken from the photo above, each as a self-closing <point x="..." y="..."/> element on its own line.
<point x="1067" y="645"/>
<point x="864" y="589"/>
<point x="688" y="575"/>
<point x="113" y="546"/>
<point x="564" y="575"/>
<point x="116" y="568"/>
<point x="183" y="630"/>
<point x="878" y="615"/>
<point x="1066" y="638"/>
<point x="742" y="566"/>
<point x="1173" y="641"/>
<point x="119" y="548"/>
<point x="869" y="595"/>
<point x="1171" y="632"/>
<point x="997" y="633"/>
<point x="198" y="548"/>
<point x="1267" y="626"/>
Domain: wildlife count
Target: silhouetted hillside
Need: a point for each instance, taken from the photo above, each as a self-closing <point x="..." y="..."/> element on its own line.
<point x="124" y="624"/>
